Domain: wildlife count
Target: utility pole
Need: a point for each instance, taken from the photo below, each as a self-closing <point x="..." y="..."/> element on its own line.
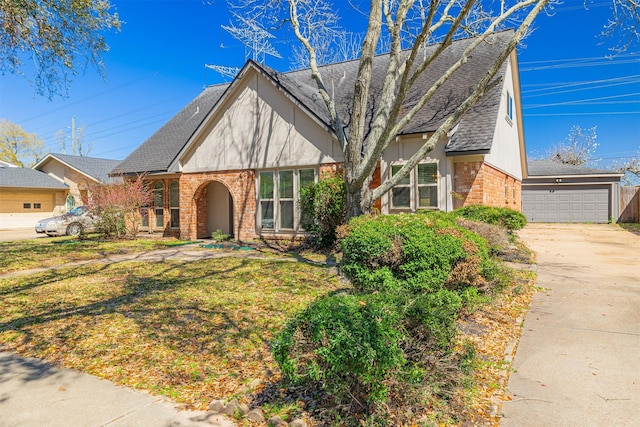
<point x="73" y="135"/>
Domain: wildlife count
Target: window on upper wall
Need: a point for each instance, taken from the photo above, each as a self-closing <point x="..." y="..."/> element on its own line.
<point x="158" y="203"/>
<point x="279" y="197"/>
<point x="37" y="206"/>
<point x="174" y="204"/>
<point x="26" y="206"/>
<point x="417" y="190"/>
<point x="509" y="107"/>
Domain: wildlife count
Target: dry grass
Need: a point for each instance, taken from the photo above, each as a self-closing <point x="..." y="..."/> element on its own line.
<point x="35" y="253"/>
<point x="191" y="331"/>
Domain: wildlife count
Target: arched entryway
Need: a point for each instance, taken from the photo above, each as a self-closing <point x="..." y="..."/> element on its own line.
<point x="219" y="209"/>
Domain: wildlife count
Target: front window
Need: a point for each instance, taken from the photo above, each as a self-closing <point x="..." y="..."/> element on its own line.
<point x="417" y="190"/>
<point x="427" y="185"/>
<point x="174" y="204"/>
<point x="279" y="196"/>
<point x="401" y="193"/>
<point x="158" y="203"/>
<point x="71" y="203"/>
<point x="509" y="107"/>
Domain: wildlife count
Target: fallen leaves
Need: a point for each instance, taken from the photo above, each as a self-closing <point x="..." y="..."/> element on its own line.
<point x="191" y="331"/>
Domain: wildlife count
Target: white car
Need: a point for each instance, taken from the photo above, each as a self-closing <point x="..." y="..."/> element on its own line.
<point x="72" y="223"/>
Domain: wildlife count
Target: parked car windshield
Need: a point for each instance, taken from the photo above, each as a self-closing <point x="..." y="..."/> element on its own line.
<point x="78" y="211"/>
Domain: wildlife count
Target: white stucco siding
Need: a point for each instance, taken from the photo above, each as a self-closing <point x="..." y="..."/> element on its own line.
<point x="402" y="150"/>
<point x="506" y="147"/>
<point x="258" y="127"/>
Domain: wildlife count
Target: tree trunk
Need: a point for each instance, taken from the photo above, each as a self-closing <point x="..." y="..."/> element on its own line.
<point x="358" y="199"/>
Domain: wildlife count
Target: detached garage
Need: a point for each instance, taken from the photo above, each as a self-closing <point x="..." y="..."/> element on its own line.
<point x="556" y="192"/>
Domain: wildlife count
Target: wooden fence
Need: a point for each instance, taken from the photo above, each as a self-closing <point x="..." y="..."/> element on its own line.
<point x="629" y="204"/>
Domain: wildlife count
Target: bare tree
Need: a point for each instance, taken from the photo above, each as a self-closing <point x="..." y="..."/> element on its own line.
<point x="578" y="148"/>
<point x="409" y="25"/>
<point x="631" y="169"/>
<point x="624" y="24"/>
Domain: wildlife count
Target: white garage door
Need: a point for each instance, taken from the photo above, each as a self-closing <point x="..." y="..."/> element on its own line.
<point x="566" y="204"/>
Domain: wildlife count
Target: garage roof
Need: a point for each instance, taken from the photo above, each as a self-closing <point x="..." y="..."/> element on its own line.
<point x="28" y="178"/>
<point x="550" y="168"/>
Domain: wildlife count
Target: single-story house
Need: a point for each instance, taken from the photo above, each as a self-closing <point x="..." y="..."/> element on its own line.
<point x="557" y="192"/>
<point x="235" y="158"/>
<point x="27" y="195"/>
<point x="79" y="173"/>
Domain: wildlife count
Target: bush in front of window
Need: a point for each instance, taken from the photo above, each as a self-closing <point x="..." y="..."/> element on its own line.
<point x="323" y="209"/>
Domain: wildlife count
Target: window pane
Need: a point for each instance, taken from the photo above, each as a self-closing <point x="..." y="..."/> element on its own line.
<point x="144" y="217"/>
<point x="428" y="197"/>
<point x="286" y="214"/>
<point x="427" y="173"/>
<point x="158" y="194"/>
<point x="71" y="203"/>
<point x="404" y="181"/>
<point x="174" y="194"/>
<point x="285" y="185"/>
<point x="175" y="218"/>
<point x="401" y="197"/>
<point x="307" y="177"/>
<point x="159" y="218"/>
<point x="266" y="185"/>
<point x="266" y="210"/>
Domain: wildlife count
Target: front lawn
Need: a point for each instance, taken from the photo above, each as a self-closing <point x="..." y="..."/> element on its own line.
<point x="191" y="331"/>
<point x="35" y="253"/>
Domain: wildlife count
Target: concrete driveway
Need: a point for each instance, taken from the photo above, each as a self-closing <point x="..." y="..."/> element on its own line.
<point x="578" y="360"/>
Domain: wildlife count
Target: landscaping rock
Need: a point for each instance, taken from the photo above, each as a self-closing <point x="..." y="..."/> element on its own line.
<point x="276" y="421"/>
<point x="298" y="423"/>
<point x="217" y="406"/>
<point x="232" y="408"/>
<point x="255" y="415"/>
<point x="244" y="409"/>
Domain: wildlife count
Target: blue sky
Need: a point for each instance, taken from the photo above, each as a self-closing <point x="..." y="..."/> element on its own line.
<point x="156" y="66"/>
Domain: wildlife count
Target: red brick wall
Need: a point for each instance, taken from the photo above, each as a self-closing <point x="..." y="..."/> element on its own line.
<point x="193" y="203"/>
<point x="477" y="183"/>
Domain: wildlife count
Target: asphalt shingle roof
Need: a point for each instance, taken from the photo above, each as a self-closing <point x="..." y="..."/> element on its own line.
<point x="474" y="131"/>
<point x="28" y="178"/>
<point x="94" y="167"/>
<point x="552" y="168"/>
<point x="161" y="149"/>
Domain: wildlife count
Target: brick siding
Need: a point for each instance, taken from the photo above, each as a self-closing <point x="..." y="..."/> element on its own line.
<point x="194" y="209"/>
<point x="477" y="183"/>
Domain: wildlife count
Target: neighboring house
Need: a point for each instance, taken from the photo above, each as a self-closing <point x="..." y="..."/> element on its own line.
<point x="27" y="195"/>
<point x="235" y="158"/>
<point x="79" y="173"/>
<point x="557" y="192"/>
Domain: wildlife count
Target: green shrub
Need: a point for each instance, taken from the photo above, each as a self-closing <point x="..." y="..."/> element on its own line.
<point x="412" y="276"/>
<point x="414" y="253"/>
<point x="505" y="217"/>
<point x="322" y="207"/>
<point x="348" y="343"/>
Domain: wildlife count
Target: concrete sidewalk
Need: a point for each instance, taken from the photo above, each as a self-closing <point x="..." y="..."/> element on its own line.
<point x="578" y="360"/>
<point x="34" y="393"/>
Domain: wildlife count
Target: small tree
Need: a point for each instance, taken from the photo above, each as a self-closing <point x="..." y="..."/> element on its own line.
<point x="578" y="149"/>
<point x="17" y="146"/>
<point x="118" y="204"/>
